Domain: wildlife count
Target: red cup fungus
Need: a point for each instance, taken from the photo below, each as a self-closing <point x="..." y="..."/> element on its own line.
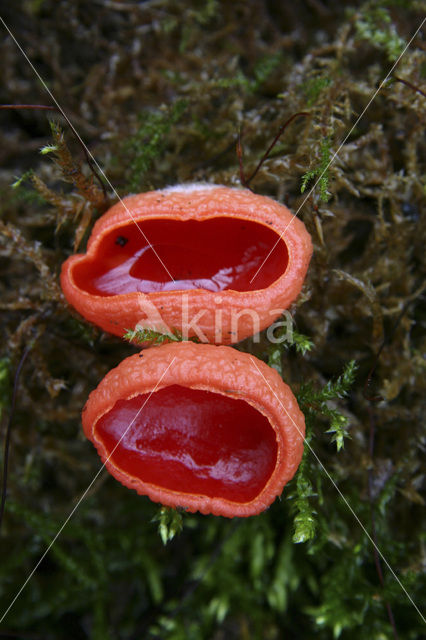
<point x="197" y="426"/>
<point x="195" y="255"/>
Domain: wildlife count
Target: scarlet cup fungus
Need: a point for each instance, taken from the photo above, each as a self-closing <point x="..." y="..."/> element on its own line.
<point x="195" y="254"/>
<point x="197" y="426"/>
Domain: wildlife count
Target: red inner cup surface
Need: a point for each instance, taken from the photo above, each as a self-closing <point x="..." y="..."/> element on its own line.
<point x="216" y="254"/>
<point x="191" y="441"/>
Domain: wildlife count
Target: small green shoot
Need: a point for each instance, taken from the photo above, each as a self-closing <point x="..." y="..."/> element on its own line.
<point x="274" y="357"/>
<point x="170" y="522"/>
<point x="261" y="72"/>
<point x="321" y="171"/>
<point x="49" y="148"/>
<point x="264" y="68"/>
<point x="313" y="88"/>
<point x="150" y="140"/>
<point x="305" y="520"/>
<point x="375" y="25"/>
<point x="19" y="180"/>
<point x="315" y="402"/>
<point x="151" y="336"/>
<point x="303" y="344"/>
<point x="156" y="337"/>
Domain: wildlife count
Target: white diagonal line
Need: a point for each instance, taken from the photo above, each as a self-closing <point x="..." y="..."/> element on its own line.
<point x="335" y="154"/>
<point x="343" y="498"/>
<point x="82" y="497"/>
<point x="46" y="88"/>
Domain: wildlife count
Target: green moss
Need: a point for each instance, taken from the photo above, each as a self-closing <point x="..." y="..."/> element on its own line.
<point x="375" y="25"/>
<point x="316" y="402"/>
<point x="149" y="141"/>
<point x="320" y="172"/>
<point x="170" y="522"/>
<point x="305" y="520"/>
<point x="261" y="72"/>
<point x="152" y="337"/>
<point x="313" y="88"/>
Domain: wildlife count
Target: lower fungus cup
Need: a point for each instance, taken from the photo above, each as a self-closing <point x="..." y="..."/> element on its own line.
<point x="213" y="262"/>
<point x="201" y="427"/>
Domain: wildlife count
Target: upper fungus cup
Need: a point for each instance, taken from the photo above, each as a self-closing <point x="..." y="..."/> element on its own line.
<point x="211" y="261"/>
<point x="202" y="427"/>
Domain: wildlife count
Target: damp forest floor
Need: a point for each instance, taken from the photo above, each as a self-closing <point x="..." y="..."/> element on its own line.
<point x="160" y="92"/>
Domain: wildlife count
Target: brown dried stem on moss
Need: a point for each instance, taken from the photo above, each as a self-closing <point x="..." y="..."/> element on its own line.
<point x="71" y="170"/>
<point x="34" y="252"/>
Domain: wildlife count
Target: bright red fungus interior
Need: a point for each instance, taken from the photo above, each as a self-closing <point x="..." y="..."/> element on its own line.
<point x="192" y="441"/>
<point x="215" y="254"/>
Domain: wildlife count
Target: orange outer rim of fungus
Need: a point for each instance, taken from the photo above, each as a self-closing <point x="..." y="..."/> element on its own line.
<point x="118" y="313"/>
<point x="219" y="369"/>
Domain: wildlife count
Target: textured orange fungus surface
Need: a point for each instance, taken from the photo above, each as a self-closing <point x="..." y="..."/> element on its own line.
<point x="190" y="250"/>
<point x="221" y="433"/>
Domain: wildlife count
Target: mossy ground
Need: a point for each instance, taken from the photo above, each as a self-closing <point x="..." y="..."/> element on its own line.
<point x="159" y="91"/>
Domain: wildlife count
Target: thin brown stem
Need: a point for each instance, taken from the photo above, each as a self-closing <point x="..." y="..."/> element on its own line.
<point x="27" y="106"/>
<point x="410" y="84"/>
<point x="9" y="432"/>
<point x="246" y="181"/>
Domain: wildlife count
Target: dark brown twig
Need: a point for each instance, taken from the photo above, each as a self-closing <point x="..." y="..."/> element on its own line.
<point x="246" y="181"/>
<point x="409" y="84"/>
<point x="28" y="106"/>
<point x="9" y="432"/>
